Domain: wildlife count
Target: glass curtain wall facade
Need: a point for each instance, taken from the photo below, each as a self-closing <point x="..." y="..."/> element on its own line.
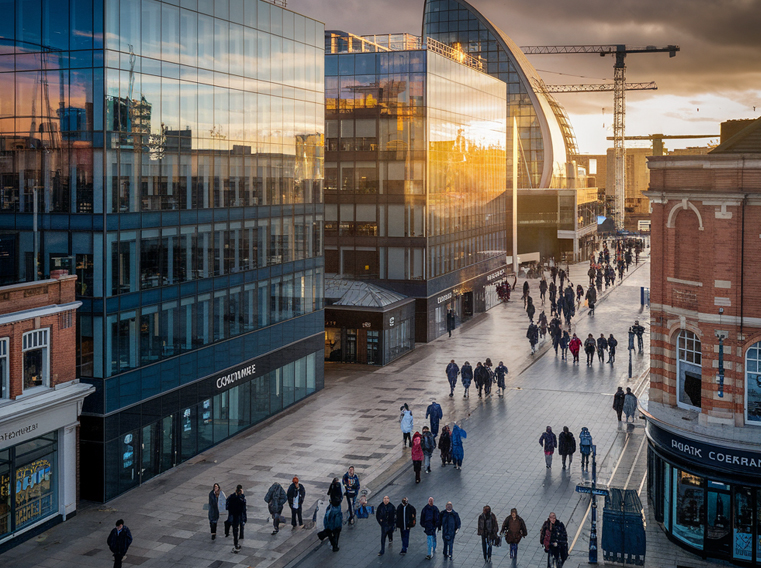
<point x="414" y="173"/>
<point x="542" y="151"/>
<point x="169" y="153"/>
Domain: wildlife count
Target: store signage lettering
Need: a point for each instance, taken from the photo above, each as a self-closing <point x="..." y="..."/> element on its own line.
<point x="391" y="322"/>
<point x="235" y="376"/>
<point x="495" y="275"/>
<point x="5" y="436"/>
<point x="444" y="298"/>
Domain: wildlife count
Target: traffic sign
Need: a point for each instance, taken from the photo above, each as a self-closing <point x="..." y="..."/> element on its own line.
<point x="591" y="491"/>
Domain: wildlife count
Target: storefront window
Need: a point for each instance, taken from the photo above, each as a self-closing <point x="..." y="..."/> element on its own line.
<point x="188" y="433"/>
<point x="689" y="361"/>
<point x="205" y="424"/>
<point x="35" y="349"/>
<point x="4" y="386"/>
<point x="718" y="537"/>
<point x="742" y="537"/>
<point x="753" y="385"/>
<point x="5" y="492"/>
<point x="35" y="494"/>
<point x="758" y="524"/>
<point x="667" y="496"/>
<point x="689" y="508"/>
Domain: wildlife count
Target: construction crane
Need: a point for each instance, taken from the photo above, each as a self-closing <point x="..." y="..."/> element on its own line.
<point x="599" y="87"/>
<point x="658" y="139"/>
<point x="619" y="99"/>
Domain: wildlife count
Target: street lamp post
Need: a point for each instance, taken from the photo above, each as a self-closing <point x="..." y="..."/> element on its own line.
<point x="593" y="530"/>
<point x="631" y="348"/>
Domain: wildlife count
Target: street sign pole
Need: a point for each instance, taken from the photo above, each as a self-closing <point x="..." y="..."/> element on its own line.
<point x="593" y="531"/>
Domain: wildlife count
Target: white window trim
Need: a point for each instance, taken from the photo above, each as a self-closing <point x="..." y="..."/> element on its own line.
<point x="679" y="363"/>
<point x="5" y="379"/>
<point x="43" y="332"/>
<point x="747" y="380"/>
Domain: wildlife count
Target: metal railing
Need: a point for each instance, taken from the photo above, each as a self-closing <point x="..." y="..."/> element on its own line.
<point x="454" y="53"/>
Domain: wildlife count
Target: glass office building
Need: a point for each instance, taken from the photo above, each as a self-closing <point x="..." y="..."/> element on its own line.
<point x="546" y="137"/>
<point x="169" y="153"/>
<point x="414" y="173"/>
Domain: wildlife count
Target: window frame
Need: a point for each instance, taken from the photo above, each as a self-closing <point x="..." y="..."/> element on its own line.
<point x="681" y="346"/>
<point x="5" y="387"/>
<point x="757" y="359"/>
<point x="28" y="345"/>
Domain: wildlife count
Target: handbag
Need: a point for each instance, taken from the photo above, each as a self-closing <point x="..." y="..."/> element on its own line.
<point x="497" y="541"/>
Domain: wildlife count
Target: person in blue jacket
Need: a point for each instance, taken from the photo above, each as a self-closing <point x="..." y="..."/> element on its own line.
<point x="452" y="371"/>
<point x="449" y="524"/>
<point x="332" y="523"/>
<point x="458" y="434"/>
<point x="429" y="520"/>
<point x="435" y="414"/>
<point x="501" y="372"/>
<point x="466" y="373"/>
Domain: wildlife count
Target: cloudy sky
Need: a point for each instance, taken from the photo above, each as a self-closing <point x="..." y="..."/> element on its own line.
<point x="716" y="76"/>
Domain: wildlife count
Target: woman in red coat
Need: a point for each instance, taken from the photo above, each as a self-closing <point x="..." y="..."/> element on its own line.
<point x="417" y="455"/>
<point x="575" y="346"/>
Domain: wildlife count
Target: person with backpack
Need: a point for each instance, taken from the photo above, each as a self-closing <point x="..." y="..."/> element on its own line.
<point x="452" y="371"/>
<point x="417" y="455"/>
<point x="435" y="414"/>
<point x="351" y="489"/>
<point x="385" y="514"/>
<point x="405" y="520"/>
<point x="618" y="402"/>
<point x="514" y="529"/>
<point x="554" y="538"/>
<point x="449" y="524"/>
<point x="585" y="447"/>
<point x="590" y="346"/>
<point x="575" y="346"/>
<point x="445" y="446"/>
<point x="466" y="375"/>
<point x="428" y="444"/>
<point x="566" y="446"/>
<point x="275" y="499"/>
<point x="549" y="442"/>
<point x="407" y="423"/>
<point x="501" y="371"/>
<point x="332" y="523"/>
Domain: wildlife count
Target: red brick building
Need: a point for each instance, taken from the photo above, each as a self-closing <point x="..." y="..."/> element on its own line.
<point x="40" y="403"/>
<point x="704" y="429"/>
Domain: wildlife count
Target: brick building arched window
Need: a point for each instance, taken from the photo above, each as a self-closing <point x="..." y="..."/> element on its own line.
<point x="686" y="265"/>
<point x="689" y="361"/>
<point x="753" y="384"/>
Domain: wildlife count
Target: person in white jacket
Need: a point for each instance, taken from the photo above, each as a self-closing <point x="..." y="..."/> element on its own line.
<point x="406" y="422"/>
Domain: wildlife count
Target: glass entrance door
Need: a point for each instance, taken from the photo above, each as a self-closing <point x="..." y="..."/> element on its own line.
<point x="742" y="536"/>
<point x="719" y="518"/>
<point x="351" y="346"/>
<point x="147" y="453"/>
<point x="168" y="451"/>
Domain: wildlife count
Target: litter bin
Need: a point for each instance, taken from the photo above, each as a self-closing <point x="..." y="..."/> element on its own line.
<point x="623" y="528"/>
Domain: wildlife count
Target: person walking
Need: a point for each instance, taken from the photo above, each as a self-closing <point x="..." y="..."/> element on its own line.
<point x="217" y="507"/>
<point x="450" y="322"/>
<point x="555" y="333"/>
<point x="449" y="524"/>
<point x="445" y="446"/>
<point x="417" y="455"/>
<point x="549" y="442"/>
<point x="639" y="332"/>
<point x="618" y="402"/>
<point x="602" y="347"/>
<point x="406" y="422"/>
<point x="429" y="520"/>
<point x="335" y="493"/>
<point x="530" y="308"/>
<point x="501" y="371"/>
<point x="543" y="289"/>
<point x="542" y="324"/>
<point x="532" y="333"/>
<point x="275" y="499"/>
<point x="591" y="299"/>
<point x="612" y="343"/>
<point x="488" y="530"/>
<point x="585" y="447"/>
<point x="466" y="375"/>
<point x="405" y="520"/>
<point x="351" y="489"/>
<point x="236" y="508"/>
<point x="332" y="523"/>
<point x="119" y="541"/>
<point x="458" y="452"/>
<point x="452" y="371"/>
<point x="428" y="444"/>
<point x="566" y="446"/>
<point x="565" y="343"/>
<point x="296" y="494"/>
<point x="514" y="529"/>
<point x="480" y="375"/>
<point x="434" y="413"/>
<point x="590" y="346"/>
<point x="630" y="404"/>
<point x="385" y="514"/>
<point x="525" y="294"/>
<point x="575" y="346"/>
<point x="554" y="539"/>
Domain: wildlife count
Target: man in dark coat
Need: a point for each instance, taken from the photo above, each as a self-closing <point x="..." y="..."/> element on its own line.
<point x="296" y="494"/>
<point x="429" y="520"/>
<point x="449" y="524"/>
<point x="514" y="529"/>
<point x="275" y="499"/>
<point x="566" y="446"/>
<point x="549" y="442"/>
<point x="405" y="520"/>
<point x="639" y="332"/>
<point x="452" y="371"/>
<point x="435" y="414"/>
<point x="554" y="538"/>
<point x="618" y="402"/>
<point x="481" y="376"/>
<point x="466" y="374"/>
<point x="530" y="308"/>
<point x="542" y="290"/>
<point x="533" y="336"/>
<point x="500" y="372"/>
<point x="591" y="299"/>
<point x="612" y="343"/>
<point x="602" y="347"/>
<point x="118" y="542"/>
<point x="450" y="322"/>
<point x="385" y="514"/>
<point x="236" y="508"/>
<point x="590" y="346"/>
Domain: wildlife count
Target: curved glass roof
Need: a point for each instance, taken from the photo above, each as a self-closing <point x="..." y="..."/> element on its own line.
<point x="545" y="135"/>
<point x="340" y="292"/>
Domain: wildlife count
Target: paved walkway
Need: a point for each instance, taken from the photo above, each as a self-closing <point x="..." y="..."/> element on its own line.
<point x="354" y="420"/>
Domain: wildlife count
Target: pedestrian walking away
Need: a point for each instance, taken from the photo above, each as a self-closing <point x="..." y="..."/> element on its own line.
<point x="445" y="446"/>
<point x="630" y="404"/>
<point x="236" y="508"/>
<point x="217" y="508"/>
<point x="618" y="402"/>
<point x="385" y="514"/>
<point x="449" y="524"/>
<point x="530" y="308"/>
<point x="590" y="346"/>
<point x="458" y="452"/>
<point x="501" y="371"/>
<point x="405" y="520"/>
<point x="638" y="331"/>
<point x="602" y="347"/>
<point x="481" y="376"/>
<point x="542" y="289"/>
<point x="591" y="299"/>
<point x="566" y="446"/>
<point x="525" y="293"/>
<point x="565" y="341"/>
<point x="119" y="541"/>
<point x="549" y="442"/>
<point x="429" y="520"/>
<point x="335" y="493"/>
<point x="452" y="371"/>
<point x="585" y="447"/>
<point x="612" y="343"/>
<point x="275" y="499"/>
<point x="428" y="444"/>
<point x="514" y="529"/>
<point x="450" y="322"/>
<point x="488" y="377"/>
<point x="434" y="414"/>
<point x="575" y="346"/>
<point x="488" y="530"/>
<point x="332" y="523"/>
<point x="417" y="455"/>
<point x="351" y="489"/>
<point x="466" y="375"/>
<point x="533" y="336"/>
<point x="296" y="494"/>
<point x="542" y="323"/>
<point x="554" y="539"/>
<point x="406" y="422"/>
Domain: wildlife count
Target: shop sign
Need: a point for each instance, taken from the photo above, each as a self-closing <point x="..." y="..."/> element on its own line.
<point x="496" y="275"/>
<point x="708" y="455"/>
<point x="229" y="378"/>
<point x="391" y="322"/>
<point x="10" y="435"/>
<point x="14" y="432"/>
<point x="444" y="298"/>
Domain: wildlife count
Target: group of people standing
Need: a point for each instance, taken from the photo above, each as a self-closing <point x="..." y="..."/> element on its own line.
<point x="422" y="445"/>
<point x="625" y="402"/>
<point x="483" y="375"/>
<point x="565" y="444"/>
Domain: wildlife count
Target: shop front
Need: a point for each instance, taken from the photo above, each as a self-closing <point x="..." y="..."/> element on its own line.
<point x="706" y="496"/>
<point x="38" y="462"/>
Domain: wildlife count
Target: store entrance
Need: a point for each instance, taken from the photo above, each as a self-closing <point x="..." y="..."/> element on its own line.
<point x="158" y="448"/>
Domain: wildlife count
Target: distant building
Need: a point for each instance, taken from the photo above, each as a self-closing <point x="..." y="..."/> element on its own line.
<point x="704" y="409"/>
